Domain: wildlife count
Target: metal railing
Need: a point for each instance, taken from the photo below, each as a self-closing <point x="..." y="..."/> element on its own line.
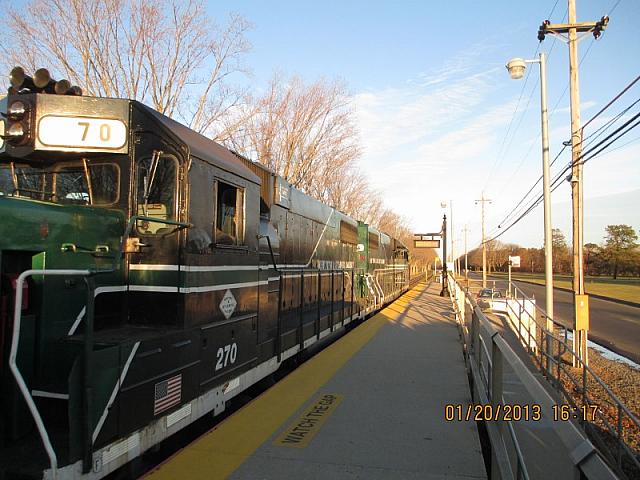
<point x="418" y="277"/>
<point x="611" y="425"/>
<point x="486" y="353"/>
<point x="383" y="286"/>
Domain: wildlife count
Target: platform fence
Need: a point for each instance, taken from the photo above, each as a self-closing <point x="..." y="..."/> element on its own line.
<point x="486" y="354"/>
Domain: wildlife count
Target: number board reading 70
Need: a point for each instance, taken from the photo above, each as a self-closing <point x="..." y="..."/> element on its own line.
<point x="87" y="133"/>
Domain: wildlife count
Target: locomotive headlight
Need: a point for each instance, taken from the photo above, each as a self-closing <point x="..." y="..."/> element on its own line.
<point x="18" y="120"/>
<point x="16" y="111"/>
<point x="15" y="132"/>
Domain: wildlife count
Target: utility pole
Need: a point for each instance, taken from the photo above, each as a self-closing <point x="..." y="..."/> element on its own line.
<point x="576" y="178"/>
<point x="548" y="228"/>
<point x="466" y="258"/>
<point x="482" y="201"/>
<point x="516" y="69"/>
<point x="581" y="301"/>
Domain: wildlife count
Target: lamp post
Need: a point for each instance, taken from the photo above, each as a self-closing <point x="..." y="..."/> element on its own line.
<point x="453" y="257"/>
<point x="445" y="286"/>
<point x="466" y="257"/>
<point x="516" y="69"/>
<point x="580" y="299"/>
<point x="482" y="201"/>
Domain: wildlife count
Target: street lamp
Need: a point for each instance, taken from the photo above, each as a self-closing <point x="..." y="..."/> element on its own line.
<point x="516" y="68"/>
<point x="445" y="282"/>
<point x="452" y="254"/>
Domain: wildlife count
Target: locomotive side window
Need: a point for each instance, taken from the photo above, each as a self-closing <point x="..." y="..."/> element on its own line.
<point x="229" y="214"/>
<point x="157" y="182"/>
<point x="348" y="233"/>
<point x="374" y="241"/>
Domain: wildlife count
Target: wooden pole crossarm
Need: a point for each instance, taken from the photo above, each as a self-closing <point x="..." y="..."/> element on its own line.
<point x="564" y="27"/>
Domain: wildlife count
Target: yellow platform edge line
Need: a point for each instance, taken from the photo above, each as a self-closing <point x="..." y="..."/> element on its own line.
<point x="221" y="451"/>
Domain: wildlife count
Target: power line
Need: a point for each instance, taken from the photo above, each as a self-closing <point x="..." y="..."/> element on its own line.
<point x="599" y="131"/>
<point x="608" y="124"/>
<point x="512" y="212"/>
<point x="613" y="100"/>
<point x="584" y="158"/>
<point x="621" y="146"/>
<point x="553" y="110"/>
<point x="614" y="7"/>
<point x="557" y="183"/>
<point x="593" y="137"/>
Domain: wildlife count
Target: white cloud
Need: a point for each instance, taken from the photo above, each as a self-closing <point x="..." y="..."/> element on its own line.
<point x="432" y="138"/>
<point x="394" y="117"/>
<point x="437" y="136"/>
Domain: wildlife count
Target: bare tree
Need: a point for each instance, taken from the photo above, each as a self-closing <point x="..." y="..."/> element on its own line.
<point x="305" y="133"/>
<point x="167" y="53"/>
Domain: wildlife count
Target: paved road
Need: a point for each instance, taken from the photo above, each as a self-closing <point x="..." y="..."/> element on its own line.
<point x="613" y="325"/>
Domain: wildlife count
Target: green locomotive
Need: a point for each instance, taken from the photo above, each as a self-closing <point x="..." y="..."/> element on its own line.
<point x="149" y="275"/>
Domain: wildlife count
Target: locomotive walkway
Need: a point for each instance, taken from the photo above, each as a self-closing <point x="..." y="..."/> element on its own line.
<point x="371" y="405"/>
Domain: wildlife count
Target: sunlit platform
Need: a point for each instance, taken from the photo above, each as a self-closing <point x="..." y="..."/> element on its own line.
<point x="371" y="405"/>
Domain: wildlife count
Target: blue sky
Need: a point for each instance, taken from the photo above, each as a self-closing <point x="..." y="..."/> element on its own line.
<point x="435" y="106"/>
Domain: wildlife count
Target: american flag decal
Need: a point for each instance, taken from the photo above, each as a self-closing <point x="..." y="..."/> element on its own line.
<point x="167" y="394"/>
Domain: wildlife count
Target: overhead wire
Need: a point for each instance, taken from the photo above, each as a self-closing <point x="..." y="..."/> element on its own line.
<point x="515" y="209"/>
<point x="537" y="138"/>
<point x="594" y="135"/>
<point x="584" y="158"/>
<point x="584" y="56"/>
<point x="559" y="175"/>
<point x="587" y="141"/>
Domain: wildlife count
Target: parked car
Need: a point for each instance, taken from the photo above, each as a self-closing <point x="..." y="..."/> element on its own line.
<point x="484" y="297"/>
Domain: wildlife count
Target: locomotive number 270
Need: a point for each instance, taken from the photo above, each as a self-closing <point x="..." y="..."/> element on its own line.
<point x="226" y="356"/>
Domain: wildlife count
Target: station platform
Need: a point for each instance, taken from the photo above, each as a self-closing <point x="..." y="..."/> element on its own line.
<point x="371" y="405"/>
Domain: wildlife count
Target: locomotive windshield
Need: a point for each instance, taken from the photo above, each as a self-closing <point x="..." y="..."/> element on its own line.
<point x="93" y="182"/>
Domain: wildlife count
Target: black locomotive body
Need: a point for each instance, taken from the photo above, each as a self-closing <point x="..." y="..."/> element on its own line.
<point x="198" y="276"/>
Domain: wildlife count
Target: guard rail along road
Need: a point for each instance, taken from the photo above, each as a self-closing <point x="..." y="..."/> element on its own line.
<point x="488" y="355"/>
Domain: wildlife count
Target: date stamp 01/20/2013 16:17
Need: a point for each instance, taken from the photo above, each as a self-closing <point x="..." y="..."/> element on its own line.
<point x="457" y="412"/>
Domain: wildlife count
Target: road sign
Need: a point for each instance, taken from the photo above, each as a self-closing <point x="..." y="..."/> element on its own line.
<point x="426" y="243"/>
<point x="514" y="261"/>
<point x="426" y="240"/>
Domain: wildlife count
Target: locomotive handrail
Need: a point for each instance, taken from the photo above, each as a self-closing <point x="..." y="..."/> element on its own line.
<point x="273" y="258"/>
<point x="135" y="218"/>
<point x="300" y="273"/>
<point x="17" y="316"/>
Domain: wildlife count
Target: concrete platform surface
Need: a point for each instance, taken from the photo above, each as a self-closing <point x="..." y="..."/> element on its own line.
<point x="370" y="406"/>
